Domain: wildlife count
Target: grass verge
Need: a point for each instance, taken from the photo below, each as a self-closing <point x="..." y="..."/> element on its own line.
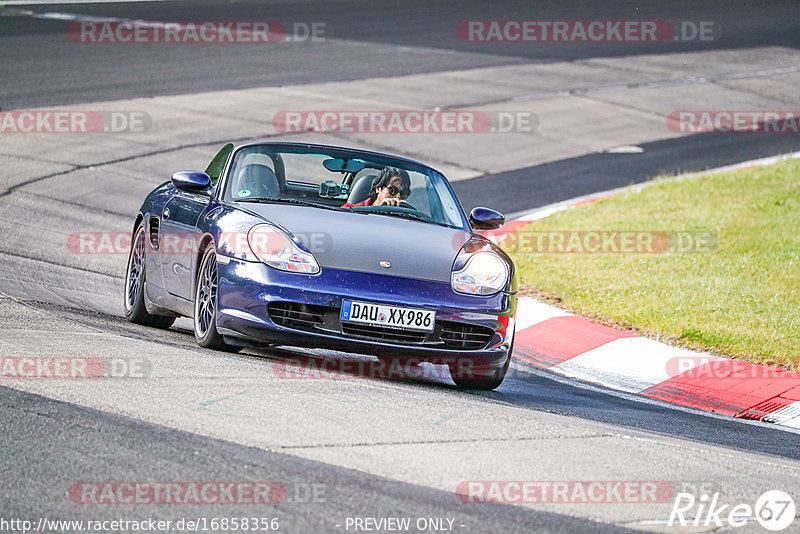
<point x="738" y="297"/>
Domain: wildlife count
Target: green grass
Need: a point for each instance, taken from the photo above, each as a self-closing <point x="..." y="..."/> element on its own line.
<point x="740" y="300"/>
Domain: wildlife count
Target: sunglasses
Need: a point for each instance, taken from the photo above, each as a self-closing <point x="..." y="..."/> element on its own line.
<point x="395" y="191"/>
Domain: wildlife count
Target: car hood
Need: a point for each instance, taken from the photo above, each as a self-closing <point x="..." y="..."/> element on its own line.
<point x="360" y="242"/>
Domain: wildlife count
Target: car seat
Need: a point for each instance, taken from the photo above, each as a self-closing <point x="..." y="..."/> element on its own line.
<point x="361" y="189"/>
<point x="259" y="180"/>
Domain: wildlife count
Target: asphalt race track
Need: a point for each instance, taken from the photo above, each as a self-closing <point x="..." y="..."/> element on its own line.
<point x="355" y="447"/>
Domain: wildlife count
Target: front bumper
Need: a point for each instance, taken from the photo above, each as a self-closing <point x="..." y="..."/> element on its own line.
<point x="251" y="295"/>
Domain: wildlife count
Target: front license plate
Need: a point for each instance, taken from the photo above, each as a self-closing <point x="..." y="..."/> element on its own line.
<point x="394" y="316"/>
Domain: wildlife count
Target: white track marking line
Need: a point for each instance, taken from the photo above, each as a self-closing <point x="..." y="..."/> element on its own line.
<point x="632" y="364"/>
<point x="530" y="312"/>
<point x="788" y="416"/>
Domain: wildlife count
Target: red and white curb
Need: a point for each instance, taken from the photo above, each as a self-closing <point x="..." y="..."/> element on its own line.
<point x="578" y="348"/>
<point x="550" y="338"/>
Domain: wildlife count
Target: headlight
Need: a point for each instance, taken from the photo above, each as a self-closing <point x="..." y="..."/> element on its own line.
<point x="267" y="244"/>
<point x="484" y="274"/>
<point x="273" y="247"/>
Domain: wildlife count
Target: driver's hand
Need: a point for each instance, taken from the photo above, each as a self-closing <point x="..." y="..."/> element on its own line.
<point x="390" y="202"/>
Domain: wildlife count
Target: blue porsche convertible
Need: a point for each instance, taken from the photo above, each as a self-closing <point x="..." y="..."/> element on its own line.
<point x="326" y="247"/>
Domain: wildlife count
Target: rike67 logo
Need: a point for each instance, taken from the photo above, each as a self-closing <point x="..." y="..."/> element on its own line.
<point x="774" y="510"/>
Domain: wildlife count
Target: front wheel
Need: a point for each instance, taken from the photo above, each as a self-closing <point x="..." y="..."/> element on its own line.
<point x="135" y="309"/>
<point x="469" y="378"/>
<point x="205" y="304"/>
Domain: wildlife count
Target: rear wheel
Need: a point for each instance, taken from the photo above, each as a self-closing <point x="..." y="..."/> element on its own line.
<point x="205" y="304"/>
<point x="135" y="309"/>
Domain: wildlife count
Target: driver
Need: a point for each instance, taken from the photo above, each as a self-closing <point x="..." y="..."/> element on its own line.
<point x="390" y="188"/>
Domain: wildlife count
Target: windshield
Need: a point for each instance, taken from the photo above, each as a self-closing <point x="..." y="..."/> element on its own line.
<point x="339" y="179"/>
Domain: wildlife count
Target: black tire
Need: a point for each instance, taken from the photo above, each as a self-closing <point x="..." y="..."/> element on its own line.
<point x="135" y="275"/>
<point x="205" y="304"/>
<point x="480" y="382"/>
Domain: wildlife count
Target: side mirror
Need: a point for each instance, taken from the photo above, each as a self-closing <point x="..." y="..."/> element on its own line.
<point x="192" y="182"/>
<point x="486" y="219"/>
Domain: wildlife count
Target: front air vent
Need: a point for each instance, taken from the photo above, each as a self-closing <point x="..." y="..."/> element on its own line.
<point x="465" y="336"/>
<point x="323" y="319"/>
<point x="381" y="333"/>
<point x="154" y="224"/>
<point x="296" y="315"/>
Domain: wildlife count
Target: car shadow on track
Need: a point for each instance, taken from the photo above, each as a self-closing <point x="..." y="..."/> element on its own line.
<point x="317" y="364"/>
<point x="524" y="386"/>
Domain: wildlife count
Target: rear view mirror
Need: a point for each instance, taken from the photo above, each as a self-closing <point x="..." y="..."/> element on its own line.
<point x="344" y="165"/>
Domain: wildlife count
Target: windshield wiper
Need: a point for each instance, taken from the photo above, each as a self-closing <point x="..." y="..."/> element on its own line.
<point x="400" y="214"/>
<point x="266" y="200"/>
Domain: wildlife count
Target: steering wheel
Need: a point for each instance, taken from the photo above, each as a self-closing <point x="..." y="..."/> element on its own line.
<point x="403" y="204"/>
